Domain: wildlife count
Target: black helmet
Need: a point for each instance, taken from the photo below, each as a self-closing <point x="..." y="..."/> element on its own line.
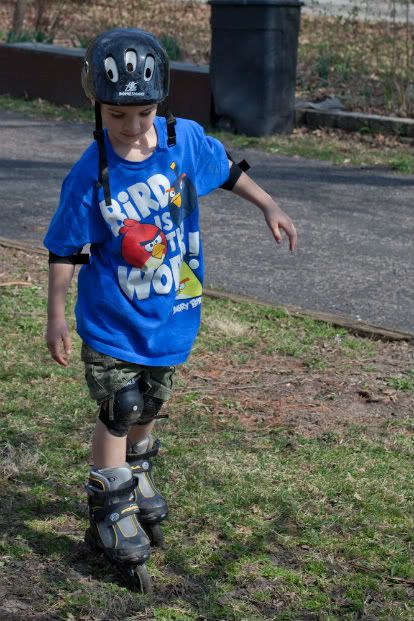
<point x="126" y="66"/>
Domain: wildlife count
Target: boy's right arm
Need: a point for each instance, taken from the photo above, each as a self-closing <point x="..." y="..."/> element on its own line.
<point x="57" y="333"/>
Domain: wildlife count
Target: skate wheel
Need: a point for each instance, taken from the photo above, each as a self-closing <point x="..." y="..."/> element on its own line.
<point x="156" y="535"/>
<point x="139" y="579"/>
<point x="90" y="540"/>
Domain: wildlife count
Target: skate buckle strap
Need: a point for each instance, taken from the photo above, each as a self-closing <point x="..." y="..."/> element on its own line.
<point x="142" y="466"/>
<point x="123" y="490"/>
<point x="153" y="452"/>
<point x="115" y="512"/>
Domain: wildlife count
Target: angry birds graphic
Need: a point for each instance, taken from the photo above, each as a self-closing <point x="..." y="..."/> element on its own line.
<point x="144" y="245"/>
<point x="190" y="286"/>
<point x="182" y="197"/>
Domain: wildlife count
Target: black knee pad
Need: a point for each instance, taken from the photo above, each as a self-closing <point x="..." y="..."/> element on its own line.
<point x="123" y="409"/>
<point x="152" y="406"/>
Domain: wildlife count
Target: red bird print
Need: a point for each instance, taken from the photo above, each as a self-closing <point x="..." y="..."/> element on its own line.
<point x="144" y="245"/>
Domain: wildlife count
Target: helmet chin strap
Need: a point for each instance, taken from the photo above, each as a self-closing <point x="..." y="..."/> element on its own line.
<point x="103" y="173"/>
<point x="171" y="140"/>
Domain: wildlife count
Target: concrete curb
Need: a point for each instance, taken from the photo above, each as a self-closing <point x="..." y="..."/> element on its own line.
<point x="355" y="122"/>
<point x="359" y="328"/>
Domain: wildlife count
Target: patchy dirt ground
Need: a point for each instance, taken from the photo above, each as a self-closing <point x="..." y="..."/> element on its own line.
<point x="271" y="391"/>
<point x="274" y="391"/>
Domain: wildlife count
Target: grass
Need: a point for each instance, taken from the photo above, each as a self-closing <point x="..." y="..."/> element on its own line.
<point x="338" y="147"/>
<point x="44" y="109"/>
<point x="366" y="63"/>
<point x="265" y="524"/>
<point x="402" y="382"/>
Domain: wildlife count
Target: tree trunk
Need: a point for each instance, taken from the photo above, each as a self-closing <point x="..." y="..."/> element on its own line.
<point x="18" y="16"/>
<point x="40" y="11"/>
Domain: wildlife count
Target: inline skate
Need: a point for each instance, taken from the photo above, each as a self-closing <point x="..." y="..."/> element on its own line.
<point x="152" y="506"/>
<point x="114" y="526"/>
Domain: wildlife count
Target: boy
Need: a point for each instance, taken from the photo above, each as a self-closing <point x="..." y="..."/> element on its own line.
<point x="138" y="308"/>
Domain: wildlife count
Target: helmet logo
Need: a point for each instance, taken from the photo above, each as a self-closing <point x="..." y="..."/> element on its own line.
<point x="131" y="87"/>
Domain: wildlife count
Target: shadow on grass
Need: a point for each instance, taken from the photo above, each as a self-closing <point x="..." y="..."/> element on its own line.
<point x="60" y="562"/>
<point x="43" y="540"/>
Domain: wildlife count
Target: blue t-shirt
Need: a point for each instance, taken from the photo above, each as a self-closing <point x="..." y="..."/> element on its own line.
<point x="139" y="298"/>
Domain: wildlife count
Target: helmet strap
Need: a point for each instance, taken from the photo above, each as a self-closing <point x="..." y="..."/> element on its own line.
<point x="103" y="173"/>
<point x="171" y="141"/>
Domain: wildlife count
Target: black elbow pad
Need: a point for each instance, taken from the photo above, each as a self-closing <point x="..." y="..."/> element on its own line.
<point x="235" y="171"/>
<point x="72" y="259"/>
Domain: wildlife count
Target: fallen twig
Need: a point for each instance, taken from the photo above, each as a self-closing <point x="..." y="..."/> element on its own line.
<point x="227" y="387"/>
<point x="16" y="283"/>
<point x="378" y="573"/>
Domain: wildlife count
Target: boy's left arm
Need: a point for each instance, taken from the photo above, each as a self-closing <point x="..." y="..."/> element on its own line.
<point x="276" y="219"/>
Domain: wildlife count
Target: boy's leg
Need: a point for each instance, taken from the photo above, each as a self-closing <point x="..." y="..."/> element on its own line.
<point x="139" y="432"/>
<point x="152" y="506"/>
<point x="108" y="451"/>
<point x="123" y="432"/>
<point x="141" y="448"/>
<point x="118" y="414"/>
<point x="113" y="512"/>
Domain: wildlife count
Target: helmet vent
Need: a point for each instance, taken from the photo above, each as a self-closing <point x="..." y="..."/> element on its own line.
<point x="149" y="68"/>
<point x="86" y="66"/>
<point x="130" y="60"/>
<point x="111" y="69"/>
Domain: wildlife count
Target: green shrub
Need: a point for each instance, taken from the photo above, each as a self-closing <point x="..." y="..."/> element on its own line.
<point x="171" y="47"/>
<point x="29" y="36"/>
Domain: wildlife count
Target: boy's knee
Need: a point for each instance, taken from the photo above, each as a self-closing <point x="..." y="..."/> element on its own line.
<point x="128" y="407"/>
<point x="152" y="406"/>
<point x="123" y="409"/>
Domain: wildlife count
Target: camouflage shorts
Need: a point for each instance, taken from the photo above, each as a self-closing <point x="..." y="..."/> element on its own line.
<point x="105" y="376"/>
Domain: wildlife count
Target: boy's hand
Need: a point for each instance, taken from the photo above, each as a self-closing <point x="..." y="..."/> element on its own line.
<point x="277" y="219"/>
<point x="57" y="334"/>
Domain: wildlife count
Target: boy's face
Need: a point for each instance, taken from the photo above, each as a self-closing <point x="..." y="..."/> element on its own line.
<point x="127" y="125"/>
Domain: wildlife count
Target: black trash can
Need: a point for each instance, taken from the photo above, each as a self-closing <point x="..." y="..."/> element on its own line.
<point x="253" y="64"/>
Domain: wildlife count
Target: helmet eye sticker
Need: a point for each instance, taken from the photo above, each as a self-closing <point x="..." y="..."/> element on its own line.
<point x="86" y="66"/>
<point x="111" y="69"/>
<point x="149" y="68"/>
<point x="130" y="60"/>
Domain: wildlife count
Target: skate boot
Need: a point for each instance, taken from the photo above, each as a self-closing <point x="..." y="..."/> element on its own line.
<point x="114" y="527"/>
<point x="152" y="506"/>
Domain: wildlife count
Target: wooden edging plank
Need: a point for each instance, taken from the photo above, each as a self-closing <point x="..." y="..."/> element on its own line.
<point x="18" y="244"/>
<point x="361" y="328"/>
